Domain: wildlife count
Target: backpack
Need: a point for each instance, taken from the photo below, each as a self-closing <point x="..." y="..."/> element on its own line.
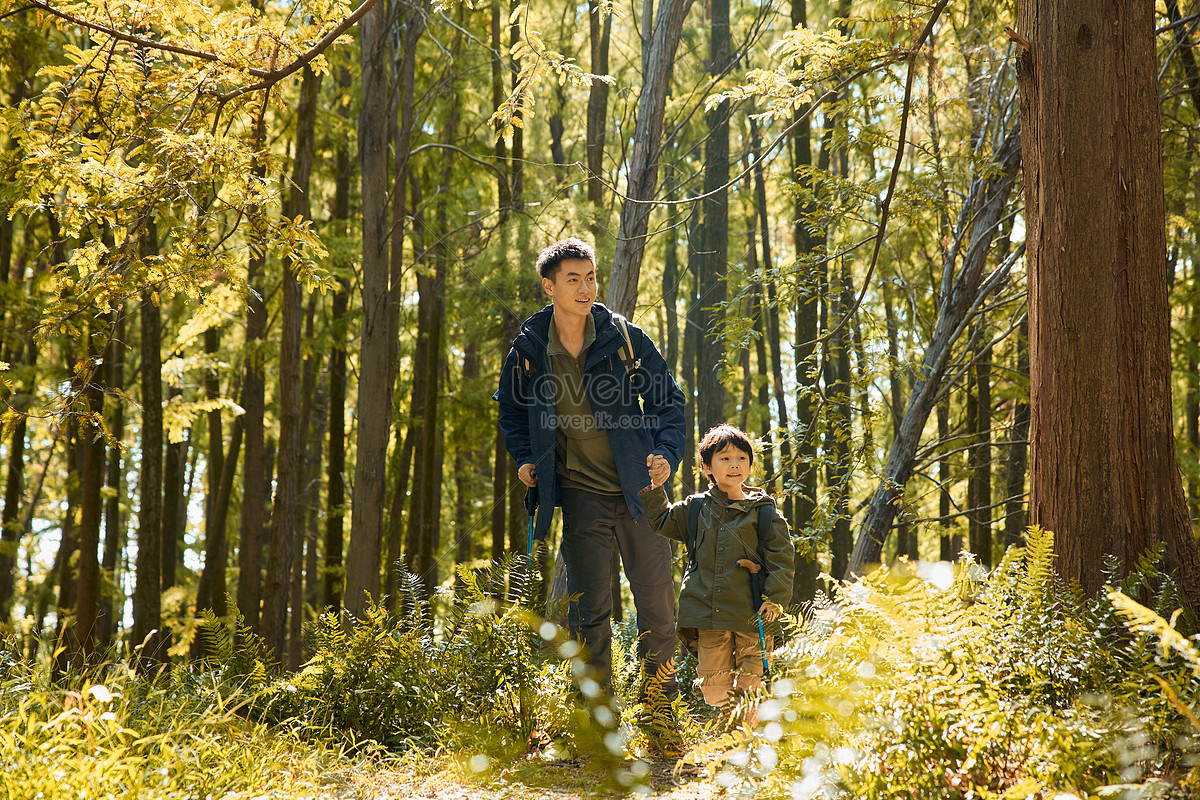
<point x="766" y="513"/>
<point x="628" y="356"/>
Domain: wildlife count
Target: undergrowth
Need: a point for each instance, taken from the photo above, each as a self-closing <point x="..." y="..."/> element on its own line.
<point x="1000" y="685"/>
<point x="902" y="685"/>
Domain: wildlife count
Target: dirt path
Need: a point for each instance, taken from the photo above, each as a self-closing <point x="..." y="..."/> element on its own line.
<point x="530" y="780"/>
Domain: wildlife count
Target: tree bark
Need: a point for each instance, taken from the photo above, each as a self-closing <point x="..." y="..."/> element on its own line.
<point x="374" y="391"/>
<point x="91" y="479"/>
<point x="1018" y="449"/>
<point x="1103" y="474"/>
<point x="147" y="593"/>
<point x="114" y="528"/>
<point x="255" y="483"/>
<point x="599" y="35"/>
<point x="658" y="63"/>
<point x="980" y="488"/>
<point x="714" y="237"/>
<point x="333" y="571"/>
<point x="285" y="517"/>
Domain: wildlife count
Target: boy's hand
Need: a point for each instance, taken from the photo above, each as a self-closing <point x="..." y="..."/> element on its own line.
<point x="660" y="469"/>
<point x="769" y="611"/>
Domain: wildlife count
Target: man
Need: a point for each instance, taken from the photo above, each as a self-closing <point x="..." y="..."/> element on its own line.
<point x="584" y="419"/>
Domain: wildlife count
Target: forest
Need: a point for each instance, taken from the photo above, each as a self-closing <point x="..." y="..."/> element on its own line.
<point x="260" y="266"/>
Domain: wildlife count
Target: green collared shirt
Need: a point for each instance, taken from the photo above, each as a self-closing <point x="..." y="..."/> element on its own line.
<point x="583" y="457"/>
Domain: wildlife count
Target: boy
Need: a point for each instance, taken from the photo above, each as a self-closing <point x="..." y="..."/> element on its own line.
<point x="715" y="601"/>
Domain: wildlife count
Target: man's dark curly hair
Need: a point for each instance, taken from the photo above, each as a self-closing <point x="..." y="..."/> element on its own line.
<point x="550" y="258"/>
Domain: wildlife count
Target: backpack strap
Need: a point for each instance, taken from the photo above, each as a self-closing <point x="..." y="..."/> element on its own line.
<point x="695" y="502"/>
<point x="766" y="515"/>
<point x="628" y="357"/>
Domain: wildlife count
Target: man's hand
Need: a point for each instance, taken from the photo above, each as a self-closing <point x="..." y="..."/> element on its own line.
<point x="528" y="475"/>
<point x="660" y="469"/>
<point x="769" y="611"/>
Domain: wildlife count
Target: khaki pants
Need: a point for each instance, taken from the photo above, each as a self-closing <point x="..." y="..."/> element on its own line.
<point x="729" y="660"/>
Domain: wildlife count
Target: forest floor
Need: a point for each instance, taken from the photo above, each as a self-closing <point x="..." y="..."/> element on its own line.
<point x="530" y="779"/>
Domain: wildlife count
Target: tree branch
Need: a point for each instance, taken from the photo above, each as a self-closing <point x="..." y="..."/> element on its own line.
<point x="268" y="77"/>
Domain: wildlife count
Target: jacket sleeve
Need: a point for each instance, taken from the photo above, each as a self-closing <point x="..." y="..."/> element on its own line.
<point x="666" y="519"/>
<point x="662" y="401"/>
<point x="781" y="561"/>
<point x="514" y="413"/>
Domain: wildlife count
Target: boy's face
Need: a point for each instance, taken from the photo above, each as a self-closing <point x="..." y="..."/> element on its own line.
<point x="729" y="469"/>
<point x="573" y="289"/>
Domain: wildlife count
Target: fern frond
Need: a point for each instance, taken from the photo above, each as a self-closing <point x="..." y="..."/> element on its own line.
<point x="1144" y="620"/>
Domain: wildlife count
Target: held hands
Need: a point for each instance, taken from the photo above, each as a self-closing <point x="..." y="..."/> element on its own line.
<point x="528" y="475"/>
<point x="768" y="611"/>
<point x="659" y="468"/>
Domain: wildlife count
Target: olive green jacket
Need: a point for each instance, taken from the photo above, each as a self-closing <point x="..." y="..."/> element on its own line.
<point x="716" y="594"/>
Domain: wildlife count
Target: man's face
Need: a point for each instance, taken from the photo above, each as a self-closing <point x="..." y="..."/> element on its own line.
<point x="573" y="289"/>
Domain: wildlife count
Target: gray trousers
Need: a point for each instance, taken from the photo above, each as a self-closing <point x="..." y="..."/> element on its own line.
<point x="592" y="524"/>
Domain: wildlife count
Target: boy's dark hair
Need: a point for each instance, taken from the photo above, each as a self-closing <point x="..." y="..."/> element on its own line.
<point x="550" y="258"/>
<point x="723" y="435"/>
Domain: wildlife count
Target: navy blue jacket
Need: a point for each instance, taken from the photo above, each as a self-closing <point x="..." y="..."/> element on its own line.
<point x="642" y="415"/>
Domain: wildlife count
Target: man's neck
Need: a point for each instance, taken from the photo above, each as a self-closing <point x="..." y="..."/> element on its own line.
<point x="571" y="329"/>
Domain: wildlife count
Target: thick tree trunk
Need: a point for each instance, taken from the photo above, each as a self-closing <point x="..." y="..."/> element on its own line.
<point x="658" y="63"/>
<point x="989" y="195"/>
<point x="1103" y="475"/>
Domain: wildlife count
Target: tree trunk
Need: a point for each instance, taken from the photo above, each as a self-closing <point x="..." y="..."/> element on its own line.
<point x="335" y="484"/>
<point x="980" y="488"/>
<point x="285" y="517"/>
<point x="210" y="592"/>
<point x="64" y="572"/>
<point x="803" y="466"/>
<point x="114" y="528"/>
<point x="770" y="313"/>
<point x="91" y="479"/>
<point x="1018" y="448"/>
<point x="600" y="33"/>
<point x="374" y="390"/>
<point x="174" y="504"/>
<point x="254" y="472"/>
<point x="147" y="593"/>
<point x="714" y="238"/>
<point x="948" y="547"/>
<point x="658" y="62"/>
<point x="907" y="544"/>
<point x="1103" y="474"/>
